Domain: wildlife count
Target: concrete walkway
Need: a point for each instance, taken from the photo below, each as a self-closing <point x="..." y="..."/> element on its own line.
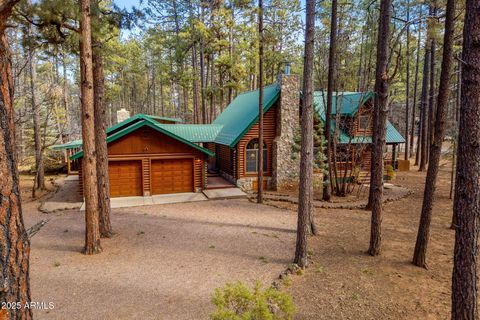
<point x="225" y="193"/>
<point x="126" y="202"/>
<point x="66" y="197"/>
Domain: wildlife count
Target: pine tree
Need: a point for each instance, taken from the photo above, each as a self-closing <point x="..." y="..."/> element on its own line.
<point x="14" y="243"/>
<point x="419" y="256"/>
<point x="90" y="179"/>
<point x="305" y="196"/>
<point x="379" y="126"/>
<point x="466" y="204"/>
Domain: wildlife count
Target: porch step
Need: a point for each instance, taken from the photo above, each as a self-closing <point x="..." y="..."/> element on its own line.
<point x="213" y="173"/>
<point x="225" y="186"/>
<point x="226" y="193"/>
<point x="217" y="182"/>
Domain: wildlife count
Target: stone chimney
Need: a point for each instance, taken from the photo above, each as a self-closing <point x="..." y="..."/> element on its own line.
<point x="122" y="114"/>
<point x="285" y="166"/>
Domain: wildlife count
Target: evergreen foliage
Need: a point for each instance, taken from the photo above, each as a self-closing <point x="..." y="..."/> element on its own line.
<point x="238" y="302"/>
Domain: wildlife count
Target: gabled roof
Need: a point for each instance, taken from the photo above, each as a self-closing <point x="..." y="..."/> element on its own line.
<point x="115" y="128"/>
<point x="349" y="102"/>
<point x="349" y="105"/>
<point x="138" y="117"/>
<point x="152" y="124"/>
<point x="242" y="113"/>
<point x="194" y="132"/>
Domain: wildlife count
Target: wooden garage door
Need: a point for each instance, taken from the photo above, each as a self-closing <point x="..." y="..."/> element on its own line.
<point x="172" y="176"/>
<point x="125" y="178"/>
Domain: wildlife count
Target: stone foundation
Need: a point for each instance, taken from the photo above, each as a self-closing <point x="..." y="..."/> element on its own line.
<point x="246" y="183"/>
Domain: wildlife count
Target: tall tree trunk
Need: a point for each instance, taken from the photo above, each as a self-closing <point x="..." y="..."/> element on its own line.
<point x="467" y="189"/>
<point x="407" y="87"/>
<point x="162" y="98"/>
<point x="14" y="242"/>
<point x="65" y="96"/>
<point x="327" y="185"/>
<point x="90" y="186"/>
<point x="431" y="99"/>
<point x="423" y="109"/>
<point x="101" y="143"/>
<point x="260" y="103"/>
<point x="154" y="89"/>
<point x="203" y="79"/>
<point x="419" y="256"/>
<point x="305" y="196"/>
<point x="380" y="123"/>
<point x="456" y="117"/>
<point x="195" y="84"/>
<point x="415" y="94"/>
<point x="39" y="182"/>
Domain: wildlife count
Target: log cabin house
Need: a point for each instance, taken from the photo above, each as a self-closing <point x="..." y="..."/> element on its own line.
<point x="353" y="111"/>
<point x="151" y="155"/>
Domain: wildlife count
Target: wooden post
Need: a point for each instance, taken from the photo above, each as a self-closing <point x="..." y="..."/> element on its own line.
<point x="394" y="156"/>
<point x="69" y="165"/>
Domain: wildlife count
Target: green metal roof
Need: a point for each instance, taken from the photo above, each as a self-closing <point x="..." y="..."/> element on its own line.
<point x="392" y="137"/>
<point x="194" y="132"/>
<point x="152" y="124"/>
<point x="138" y="117"/>
<point x="115" y="128"/>
<point x="69" y="145"/>
<point x="350" y="102"/>
<point x="241" y="114"/>
<point x="164" y="118"/>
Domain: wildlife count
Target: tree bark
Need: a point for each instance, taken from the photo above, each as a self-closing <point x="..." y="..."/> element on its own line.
<point x="39" y="182"/>
<point x="260" y="103"/>
<point x="14" y="242"/>
<point x="419" y="256"/>
<point x="90" y="186"/>
<point x="431" y="99"/>
<point x="407" y="88"/>
<point x="415" y="93"/>
<point x="467" y="189"/>
<point x="327" y="180"/>
<point x="65" y="96"/>
<point x="458" y="102"/>
<point x="379" y="129"/>
<point x="101" y="144"/>
<point x="423" y="110"/>
<point x="305" y="196"/>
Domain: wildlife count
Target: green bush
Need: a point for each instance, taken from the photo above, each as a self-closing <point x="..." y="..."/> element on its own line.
<point x="390" y="172"/>
<point x="238" y="302"/>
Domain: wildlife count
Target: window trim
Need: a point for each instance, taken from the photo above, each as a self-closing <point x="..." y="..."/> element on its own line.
<point x="360" y="122"/>
<point x="265" y="159"/>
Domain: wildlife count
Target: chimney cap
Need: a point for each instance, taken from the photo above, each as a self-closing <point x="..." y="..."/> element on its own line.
<point x="286" y="67"/>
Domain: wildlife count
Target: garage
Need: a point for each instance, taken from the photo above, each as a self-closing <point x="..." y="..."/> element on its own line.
<point x="172" y="175"/>
<point x="146" y="159"/>
<point x="125" y="178"/>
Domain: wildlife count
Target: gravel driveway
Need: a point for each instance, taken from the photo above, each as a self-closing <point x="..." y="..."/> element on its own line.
<point x="164" y="262"/>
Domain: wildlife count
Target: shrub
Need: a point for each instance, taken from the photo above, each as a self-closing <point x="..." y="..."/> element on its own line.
<point x="390" y="172"/>
<point x="238" y="302"/>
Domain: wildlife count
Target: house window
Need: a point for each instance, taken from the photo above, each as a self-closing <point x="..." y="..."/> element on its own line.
<point x="363" y="123"/>
<point x="251" y="161"/>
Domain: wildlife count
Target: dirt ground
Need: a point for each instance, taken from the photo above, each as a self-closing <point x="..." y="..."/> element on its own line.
<point x="343" y="282"/>
<point x="164" y="262"/>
